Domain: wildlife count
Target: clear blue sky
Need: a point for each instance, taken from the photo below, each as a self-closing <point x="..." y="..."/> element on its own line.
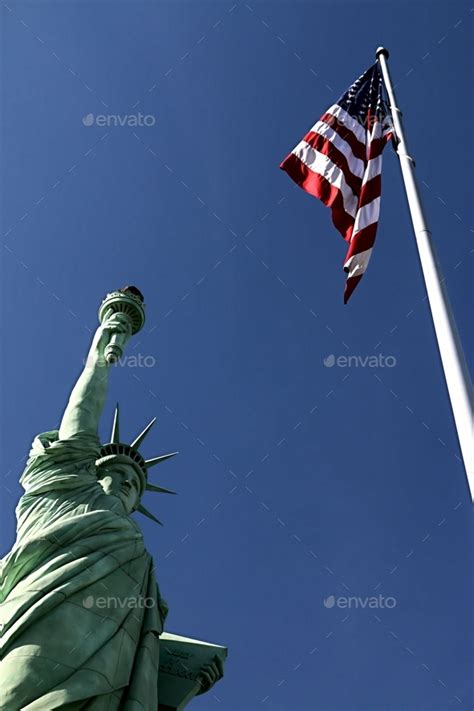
<point x="296" y="481"/>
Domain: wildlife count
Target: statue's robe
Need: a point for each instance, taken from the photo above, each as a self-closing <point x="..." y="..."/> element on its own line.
<point x="81" y="611"/>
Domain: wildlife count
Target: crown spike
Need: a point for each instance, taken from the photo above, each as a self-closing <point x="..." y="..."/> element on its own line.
<point x="115" y="436"/>
<point x="138" y="440"/>
<point x="156" y="460"/>
<point x="158" y="489"/>
<point x="147" y="513"/>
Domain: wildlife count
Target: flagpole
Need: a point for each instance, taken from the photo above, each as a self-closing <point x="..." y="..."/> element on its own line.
<point x="452" y="357"/>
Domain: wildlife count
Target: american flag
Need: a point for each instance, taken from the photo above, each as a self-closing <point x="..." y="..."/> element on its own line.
<point x="339" y="161"/>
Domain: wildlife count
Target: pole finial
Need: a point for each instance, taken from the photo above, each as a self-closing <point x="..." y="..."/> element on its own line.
<point x="382" y="50"/>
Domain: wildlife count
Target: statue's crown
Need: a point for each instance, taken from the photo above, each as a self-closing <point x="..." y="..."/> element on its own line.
<point x="117" y="451"/>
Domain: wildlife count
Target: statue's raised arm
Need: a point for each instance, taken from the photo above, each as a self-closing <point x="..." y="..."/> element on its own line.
<point x="87" y="399"/>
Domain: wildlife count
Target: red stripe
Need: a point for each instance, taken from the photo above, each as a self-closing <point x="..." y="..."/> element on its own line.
<point x="377" y="145"/>
<point x="365" y="239"/>
<point x="319" y="187"/>
<point x="351" y="284"/>
<point x="326" y="147"/>
<point x="371" y="190"/>
<point x="362" y="241"/>
<point x="358" y="148"/>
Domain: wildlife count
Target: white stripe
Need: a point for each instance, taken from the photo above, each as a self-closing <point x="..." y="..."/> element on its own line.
<point x="360" y="131"/>
<point x="319" y="163"/>
<point x="356" y="165"/>
<point x="376" y="131"/>
<point x="374" y="168"/>
<point x="347" y="121"/>
<point x="366" y="216"/>
<point x="381" y="130"/>
<point x="387" y="125"/>
<point x="357" y="264"/>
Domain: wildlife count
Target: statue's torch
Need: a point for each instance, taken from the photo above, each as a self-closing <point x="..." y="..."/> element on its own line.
<point x="129" y="302"/>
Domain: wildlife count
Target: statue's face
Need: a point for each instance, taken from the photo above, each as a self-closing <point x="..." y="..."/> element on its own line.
<point x="122" y="481"/>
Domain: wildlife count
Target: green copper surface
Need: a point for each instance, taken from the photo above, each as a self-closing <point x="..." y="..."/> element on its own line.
<point x="81" y="611"/>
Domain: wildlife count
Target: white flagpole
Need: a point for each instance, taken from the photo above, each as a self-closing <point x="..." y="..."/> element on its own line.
<point x="449" y="344"/>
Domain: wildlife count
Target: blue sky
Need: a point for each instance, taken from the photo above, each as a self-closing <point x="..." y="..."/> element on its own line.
<point x="296" y="481"/>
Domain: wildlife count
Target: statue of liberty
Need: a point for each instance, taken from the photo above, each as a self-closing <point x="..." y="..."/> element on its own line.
<point x="75" y="544"/>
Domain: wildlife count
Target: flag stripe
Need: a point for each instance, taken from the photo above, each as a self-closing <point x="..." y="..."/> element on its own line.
<point x="339" y="161"/>
<point x="357" y="148"/>
<point x="370" y="191"/>
<point x="357" y="165"/>
<point x="351" y="284"/>
<point x="319" y="187"/>
<point x="357" y="264"/>
<point x="349" y="167"/>
<point x="349" y="122"/>
<point x="320" y="164"/>
<point x="366" y="216"/>
<point x="362" y="241"/>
